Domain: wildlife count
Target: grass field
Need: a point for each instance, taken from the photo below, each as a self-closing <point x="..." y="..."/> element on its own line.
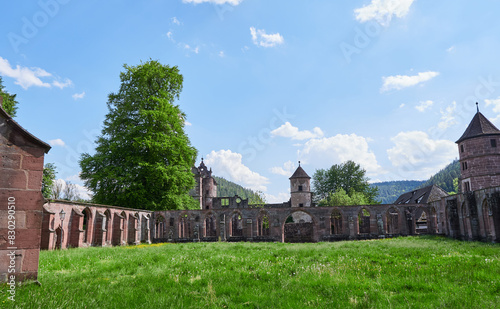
<point x="412" y="272"/>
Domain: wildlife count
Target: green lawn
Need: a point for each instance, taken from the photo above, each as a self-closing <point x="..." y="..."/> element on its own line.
<point x="425" y="272"/>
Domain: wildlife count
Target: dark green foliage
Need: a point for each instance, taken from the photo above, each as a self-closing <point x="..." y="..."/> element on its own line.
<point x="444" y="178"/>
<point x="143" y="157"/>
<point x="48" y="179"/>
<point x="389" y="191"/>
<point x="9" y="100"/>
<point x="348" y="176"/>
<point x="226" y="188"/>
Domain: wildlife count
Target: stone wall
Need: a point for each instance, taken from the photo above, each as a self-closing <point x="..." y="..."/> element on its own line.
<point x="21" y="201"/>
<point x="71" y="225"/>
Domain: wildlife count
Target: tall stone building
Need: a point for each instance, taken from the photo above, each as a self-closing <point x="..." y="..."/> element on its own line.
<point x="479" y="151"/>
<point x="300" y="188"/>
<point x="206" y="186"/>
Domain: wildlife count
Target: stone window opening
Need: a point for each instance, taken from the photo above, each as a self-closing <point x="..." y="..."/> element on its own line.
<point x="300" y="188"/>
<point x="301" y="205"/>
<point x="493" y="143"/>
<point x="461" y="148"/>
<point x="336" y="223"/>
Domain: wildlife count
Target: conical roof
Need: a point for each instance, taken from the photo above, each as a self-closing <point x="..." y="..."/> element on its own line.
<point x="479" y="126"/>
<point x="300" y="173"/>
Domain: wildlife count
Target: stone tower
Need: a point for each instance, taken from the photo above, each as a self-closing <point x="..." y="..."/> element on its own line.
<point x="479" y="151"/>
<point x="206" y="186"/>
<point x="300" y="188"/>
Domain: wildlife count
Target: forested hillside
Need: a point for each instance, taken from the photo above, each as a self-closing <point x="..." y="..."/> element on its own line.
<point x="444" y="178"/>
<point x="389" y="191"/>
<point x="229" y="188"/>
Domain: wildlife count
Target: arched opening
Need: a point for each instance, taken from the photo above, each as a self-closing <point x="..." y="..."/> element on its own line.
<point x="364" y="221"/>
<point x="236" y="225"/>
<point x="145" y="228"/>
<point x="124" y="229"/>
<point x="106" y="226"/>
<point x="421" y="225"/>
<point x="263" y="225"/>
<point x="336" y="223"/>
<point x="160" y="227"/>
<point x="183" y="226"/>
<point x="59" y="238"/>
<point x="298" y="227"/>
<point x="87" y="226"/>
<point x="392" y="221"/>
<point x="465" y="221"/>
<point x="486" y="218"/>
<point x="210" y="226"/>
<point x="132" y="229"/>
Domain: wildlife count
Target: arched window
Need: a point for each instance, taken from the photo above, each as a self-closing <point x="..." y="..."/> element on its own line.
<point x="336" y="223"/>
<point x="364" y="221"/>
<point x="392" y="221"/>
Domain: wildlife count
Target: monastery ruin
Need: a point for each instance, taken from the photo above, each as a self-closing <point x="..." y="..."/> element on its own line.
<point x="473" y="214"/>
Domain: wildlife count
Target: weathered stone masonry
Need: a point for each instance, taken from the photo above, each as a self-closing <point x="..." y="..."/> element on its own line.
<point x="21" y="201"/>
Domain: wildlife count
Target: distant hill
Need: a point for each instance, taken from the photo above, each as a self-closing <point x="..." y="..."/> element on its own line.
<point x="444" y="178"/>
<point x="389" y="191"/>
<point x="229" y="188"/>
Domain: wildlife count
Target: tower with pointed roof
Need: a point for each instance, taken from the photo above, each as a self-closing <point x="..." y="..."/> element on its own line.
<point x="479" y="152"/>
<point x="206" y="186"/>
<point x="300" y="188"/>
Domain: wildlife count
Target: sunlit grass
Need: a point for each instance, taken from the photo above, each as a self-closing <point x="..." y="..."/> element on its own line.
<point x="427" y="272"/>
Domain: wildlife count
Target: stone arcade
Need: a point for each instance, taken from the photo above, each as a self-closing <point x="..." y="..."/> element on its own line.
<point x="473" y="214"/>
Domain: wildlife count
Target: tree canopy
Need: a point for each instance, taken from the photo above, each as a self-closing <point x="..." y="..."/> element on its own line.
<point x="9" y="100"/>
<point x="341" y="180"/>
<point x="48" y="180"/>
<point x="143" y="157"/>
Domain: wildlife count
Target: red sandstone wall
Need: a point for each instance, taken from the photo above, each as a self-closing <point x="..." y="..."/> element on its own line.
<point x="21" y="201"/>
<point x="483" y="162"/>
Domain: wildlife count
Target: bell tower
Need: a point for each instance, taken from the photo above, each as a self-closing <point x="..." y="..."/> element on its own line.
<point x="300" y="188"/>
<point x="479" y="152"/>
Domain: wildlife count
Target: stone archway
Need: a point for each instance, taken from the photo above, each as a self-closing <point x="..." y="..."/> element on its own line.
<point x="298" y="227"/>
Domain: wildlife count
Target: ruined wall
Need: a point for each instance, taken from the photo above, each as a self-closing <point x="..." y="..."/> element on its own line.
<point x="470" y="216"/>
<point x="21" y="201"/>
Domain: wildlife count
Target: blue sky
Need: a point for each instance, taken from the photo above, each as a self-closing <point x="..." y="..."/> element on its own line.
<point x="388" y="84"/>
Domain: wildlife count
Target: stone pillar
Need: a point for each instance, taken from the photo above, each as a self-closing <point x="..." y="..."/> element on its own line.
<point x="21" y="201"/>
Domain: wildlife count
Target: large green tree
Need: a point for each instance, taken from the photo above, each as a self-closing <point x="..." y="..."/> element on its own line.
<point x="9" y="100"/>
<point x="347" y="178"/>
<point x="48" y="179"/>
<point x="143" y="156"/>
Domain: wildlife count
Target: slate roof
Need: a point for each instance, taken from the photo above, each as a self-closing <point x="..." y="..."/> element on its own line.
<point x="300" y="173"/>
<point x="479" y="126"/>
<point x="421" y="196"/>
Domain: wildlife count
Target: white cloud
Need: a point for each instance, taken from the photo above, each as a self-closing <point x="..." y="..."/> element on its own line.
<point x="287" y="169"/>
<point x="423" y="105"/>
<point x="170" y="36"/>
<point x="280" y="198"/>
<point x="28" y="77"/>
<point x="187" y="123"/>
<point x="261" y="38"/>
<point x="67" y="82"/>
<point x="222" y="54"/>
<point x="495" y="103"/>
<point x="402" y="105"/>
<point x="57" y="142"/>
<point x="402" y="81"/>
<point x="175" y="20"/>
<point x="338" y="149"/>
<point x="383" y="10"/>
<point x="220" y="2"/>
<point x="451" y="49"/>
<point x="78" y="96"/>
<point x="228" y="165"/>
<point x="448" y="116"/>
<point x="419" y="157"/>
<point x="287" y="130"/>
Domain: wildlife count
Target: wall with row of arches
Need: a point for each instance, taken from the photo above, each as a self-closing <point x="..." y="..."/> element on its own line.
<point x="71" y="225"/>
<point x="313" y="224"/>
